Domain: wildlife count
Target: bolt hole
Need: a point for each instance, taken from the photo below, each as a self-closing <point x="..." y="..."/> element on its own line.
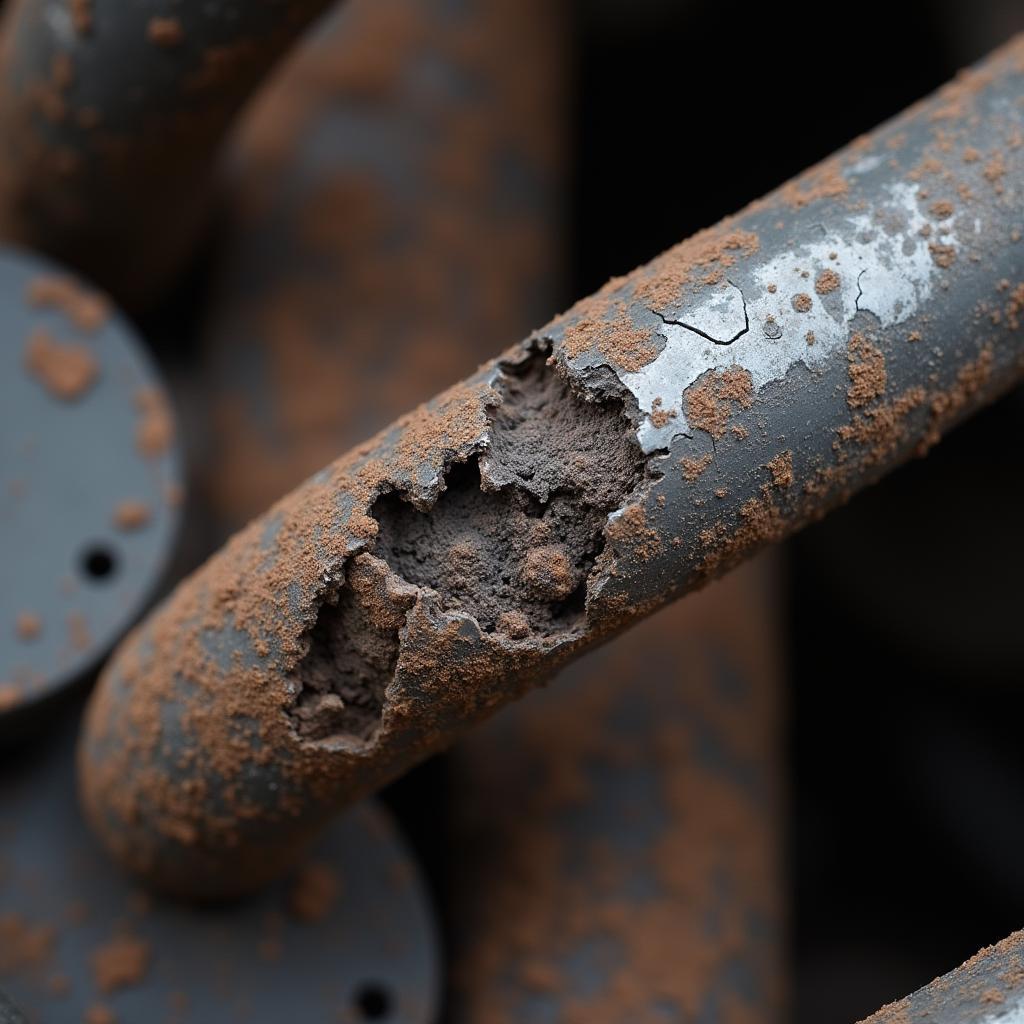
<point x="373" y="1001"/>
<point x="99" y="562"/>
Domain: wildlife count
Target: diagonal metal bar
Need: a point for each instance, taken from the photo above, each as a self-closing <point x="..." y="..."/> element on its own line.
<point x="610" y="463"/>
<point x="987" y="989"/>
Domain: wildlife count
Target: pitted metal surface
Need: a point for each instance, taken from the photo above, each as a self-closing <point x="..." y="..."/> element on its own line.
<point x="987" y="989"/>
<point x="771" y="441"/>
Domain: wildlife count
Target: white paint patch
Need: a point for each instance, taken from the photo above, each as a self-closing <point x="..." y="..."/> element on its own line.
<point x="864" y="166"/>
<point x="884" y="267"/>
<point x="58" y="17"/>
<point x="1006" y="1015"/>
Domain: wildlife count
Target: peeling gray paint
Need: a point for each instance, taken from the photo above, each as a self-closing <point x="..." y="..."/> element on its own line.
<point x="885" y="268"/>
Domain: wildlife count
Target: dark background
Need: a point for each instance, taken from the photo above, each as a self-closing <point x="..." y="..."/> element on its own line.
<point x="906" y="645"/>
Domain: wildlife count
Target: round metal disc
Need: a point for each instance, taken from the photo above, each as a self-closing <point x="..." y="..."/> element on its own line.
<point x="89" y="480"/>
<point x="348" y="938"/>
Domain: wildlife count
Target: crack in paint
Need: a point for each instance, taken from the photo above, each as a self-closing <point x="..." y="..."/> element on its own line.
<point x="708" y="337"/>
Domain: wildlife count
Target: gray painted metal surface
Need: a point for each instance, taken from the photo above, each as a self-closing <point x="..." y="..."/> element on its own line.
<point x="354" y="941"/>
<point x="987" y="989"/>
<point x="90" y="482"/>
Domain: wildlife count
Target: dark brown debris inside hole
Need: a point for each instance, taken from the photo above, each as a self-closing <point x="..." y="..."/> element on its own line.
<point x="511" y="542"/>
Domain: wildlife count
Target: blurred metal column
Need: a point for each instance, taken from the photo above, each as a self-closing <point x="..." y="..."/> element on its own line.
<point x="617" y="850"/>
<point x="111" y="119"/>
<point x="392" y="202"/>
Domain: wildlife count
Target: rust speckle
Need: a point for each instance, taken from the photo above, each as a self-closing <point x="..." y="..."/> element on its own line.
<point x="825" y="181"/>
<point x="692" y="468"/>
<point x="631" y="529"/>
<point x="165" y="32"/>
<point x="67" y="371"/>
<point x="132" y="515"/>
<point x="314" y="892"/>
<point x="661" y="417"/>
<point x="28" y="625"/>
<point x="155" y="429"/>
<point x="781" y="469"/>
<point x="81" y="16"/>
<point x="942" y="255"/>
<point x="866" y="367"/>
<point x="86" y="309"/>
<point x="120" y="963"/>
<point x="827" y="281"/>
<point x="708" y="400"/>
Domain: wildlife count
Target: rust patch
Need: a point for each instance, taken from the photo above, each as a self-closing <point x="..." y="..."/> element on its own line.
<point x="709" y="401"/>
<point x="866" y="367"/>
<point x="693" y="468"/>
<point x="67" y="371"/>
<point x="827" y="281"/>
<point x="132" y="515"/>
<point x="781" y="469"/>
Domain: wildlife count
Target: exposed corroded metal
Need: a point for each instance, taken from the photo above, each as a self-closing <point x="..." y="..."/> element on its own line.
<point x="552" y="883"/>
<point x="567" y="489"/>
<point x="616" y="854"/>
<point x="111" y="116"/>
<point x="987" y="989"/>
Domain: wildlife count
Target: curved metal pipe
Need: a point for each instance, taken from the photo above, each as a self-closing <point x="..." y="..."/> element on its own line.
<point x="710" y="403"/>
<point x="987" y="989"/>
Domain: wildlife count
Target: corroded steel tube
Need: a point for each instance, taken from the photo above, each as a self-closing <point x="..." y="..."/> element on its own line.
<point x="656" y="825"/>
<point x="645" y="441"/>
<point x="987" y="989"/>
<point x="111" y="117"/>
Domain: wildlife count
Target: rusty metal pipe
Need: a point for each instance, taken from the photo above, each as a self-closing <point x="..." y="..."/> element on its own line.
<point x="987" y="989"/>
<point x="111" y="118"/>
<point x="711" y="402"/>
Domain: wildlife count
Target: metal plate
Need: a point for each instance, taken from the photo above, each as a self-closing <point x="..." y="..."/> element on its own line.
<point x="368" y="951"/>
<point x="90" y="481"/>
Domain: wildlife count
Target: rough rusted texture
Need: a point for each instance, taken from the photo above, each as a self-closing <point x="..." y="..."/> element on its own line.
<point x="987" y="989"/>
<point x="193" y="766"/>
<point x="401" y="143"/>
<point x="616" y="854"/>
<point x="111" y="117"/>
